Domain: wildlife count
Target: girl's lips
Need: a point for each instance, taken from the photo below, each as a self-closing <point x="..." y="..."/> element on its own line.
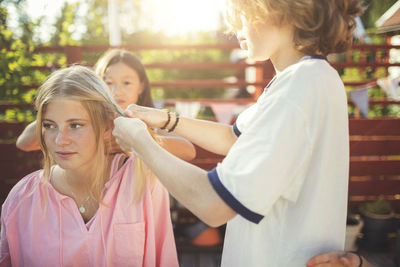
<point x="65" y="155"/>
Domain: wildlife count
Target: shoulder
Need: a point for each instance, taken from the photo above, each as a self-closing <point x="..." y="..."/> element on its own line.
<point x="308" y="82"/>
<point x="20" y="191"/>
<point x="314" y="73"/>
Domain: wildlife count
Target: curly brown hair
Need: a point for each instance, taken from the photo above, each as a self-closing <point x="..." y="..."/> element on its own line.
<point x="320" y="26"/>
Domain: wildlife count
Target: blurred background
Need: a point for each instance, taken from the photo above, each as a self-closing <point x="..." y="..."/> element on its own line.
<point x="196" y="69"/>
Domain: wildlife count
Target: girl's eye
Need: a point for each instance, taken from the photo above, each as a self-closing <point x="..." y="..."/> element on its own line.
<point x="76" y="125"/>
<point x="127" y="83"/>
<point x="48" y="126"/>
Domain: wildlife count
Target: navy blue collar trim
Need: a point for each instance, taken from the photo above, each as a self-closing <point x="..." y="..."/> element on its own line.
<point x="303" y="58"/>
<point x="314" y="57"/>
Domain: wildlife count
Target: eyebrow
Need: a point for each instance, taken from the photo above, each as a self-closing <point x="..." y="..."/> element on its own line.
<point x="123" y="77"/>
<point x="70" y="120"/>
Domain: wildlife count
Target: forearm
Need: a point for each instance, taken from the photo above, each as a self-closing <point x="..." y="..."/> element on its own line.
<point x="187" y="183"/>
<point x="178" y="146"/>
<point x="27" y="141"/>
<point x="214" y="137"/>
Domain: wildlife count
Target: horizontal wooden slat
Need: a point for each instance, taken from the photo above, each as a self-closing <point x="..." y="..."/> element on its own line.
<point x="382" y="127"/>
<point x="201" y="65"/>
<point x="375" y="147"/>
<point x="357" y="83"/>
<point x="11" y="129"/>
<point x="231" y="45"/>
<point x="211" y="84"/>
<point x="7" y="105"/>
<point x="374" y="188"/>
<point x="235" y="65"/>
<point x="374" y="167"/>
<point x="363" y="64"/>
<point x="9" y="152"/>
<point x="17" y="170"/>
<point x="383" y="102"/>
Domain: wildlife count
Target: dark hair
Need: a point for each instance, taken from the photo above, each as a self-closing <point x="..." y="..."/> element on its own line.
<point x="114" y="56"/>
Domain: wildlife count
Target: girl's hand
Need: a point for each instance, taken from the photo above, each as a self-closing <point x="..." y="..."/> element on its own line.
<point x="154" y="118"/>
<point x="131" y="134"/>
<point x="334" y="259"/>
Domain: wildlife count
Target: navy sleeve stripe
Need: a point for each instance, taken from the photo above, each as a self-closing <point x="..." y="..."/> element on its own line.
<point x="231" y="200"/>
<point x="236" y="130"/>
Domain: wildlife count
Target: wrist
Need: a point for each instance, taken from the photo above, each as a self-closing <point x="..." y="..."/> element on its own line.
<point x="360" y="260"/>
<point x="167" y="121"/>
<point x="175" y="119"/>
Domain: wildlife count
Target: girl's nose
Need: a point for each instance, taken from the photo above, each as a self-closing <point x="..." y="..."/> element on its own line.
<point x="62" y="138"/>
<point x="115" y="89"/>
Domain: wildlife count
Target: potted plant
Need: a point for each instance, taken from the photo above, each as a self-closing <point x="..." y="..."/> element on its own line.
<point x="378" y="223"/>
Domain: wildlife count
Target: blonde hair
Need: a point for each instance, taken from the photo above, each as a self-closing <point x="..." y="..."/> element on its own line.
<point x="83" y="85"/>
<point x="320" y="26"/>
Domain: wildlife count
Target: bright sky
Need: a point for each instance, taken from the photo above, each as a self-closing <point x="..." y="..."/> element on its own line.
<point x="171" y="16"/>
<point x="182" y="16"/>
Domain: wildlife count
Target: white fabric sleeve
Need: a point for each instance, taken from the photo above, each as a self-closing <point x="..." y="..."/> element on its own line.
<point x="242" y="120"/>
<point x="268" y="161"/>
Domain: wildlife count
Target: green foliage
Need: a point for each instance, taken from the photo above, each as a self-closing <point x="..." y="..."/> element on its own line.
<point x="15" y="61"/>
<point x="378" y="207"/>
<point x="375" y="9"/>
<point x="64" y="25"/>
<point x="95" y="21"/>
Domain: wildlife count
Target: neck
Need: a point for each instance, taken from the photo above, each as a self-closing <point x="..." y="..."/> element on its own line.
<point x="78" y="179"/>
<point x="286" y="58"/>
<point x="286" y="54"/>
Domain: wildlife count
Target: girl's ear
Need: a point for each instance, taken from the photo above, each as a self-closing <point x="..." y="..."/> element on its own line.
<point x="141" y="88"/>
<point x="109" y="141"/>
<point x="108" y="132"/>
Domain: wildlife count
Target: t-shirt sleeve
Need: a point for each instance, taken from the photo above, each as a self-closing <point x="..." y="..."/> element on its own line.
<point x="243" y="119"/>
<point x="267" y="162"/>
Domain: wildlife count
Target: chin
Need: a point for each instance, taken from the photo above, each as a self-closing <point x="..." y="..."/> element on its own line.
<point x="66" y="166"/>
<point x="258" y="57"/>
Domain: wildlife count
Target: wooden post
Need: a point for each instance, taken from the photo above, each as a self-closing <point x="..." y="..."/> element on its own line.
<point x="73" y="54"/>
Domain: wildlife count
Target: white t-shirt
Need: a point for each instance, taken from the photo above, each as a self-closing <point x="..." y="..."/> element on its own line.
<point x="287" y="174"/>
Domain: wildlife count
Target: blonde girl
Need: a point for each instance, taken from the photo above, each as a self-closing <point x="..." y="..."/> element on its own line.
<point x="87" y="207"/>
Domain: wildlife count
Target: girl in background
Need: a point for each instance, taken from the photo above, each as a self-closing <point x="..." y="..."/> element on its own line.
<point x="127" y="80"/>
